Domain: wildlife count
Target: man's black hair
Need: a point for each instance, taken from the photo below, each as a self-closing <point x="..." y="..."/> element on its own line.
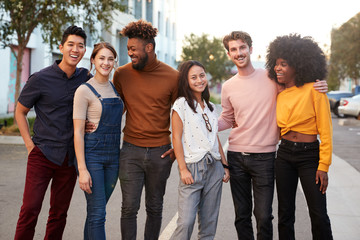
<point x="73" y="30"/>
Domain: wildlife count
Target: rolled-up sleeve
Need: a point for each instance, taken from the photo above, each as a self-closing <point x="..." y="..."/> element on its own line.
<point x="31" y="92"/>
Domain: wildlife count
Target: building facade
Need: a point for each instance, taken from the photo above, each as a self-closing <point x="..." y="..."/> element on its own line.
<point x="350" y="85"/>
<point x="161" y="13"/>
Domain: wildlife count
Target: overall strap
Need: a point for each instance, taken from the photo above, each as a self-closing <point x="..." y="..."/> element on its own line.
<point x="94" y="91"/>
<point x="114" y="89"/>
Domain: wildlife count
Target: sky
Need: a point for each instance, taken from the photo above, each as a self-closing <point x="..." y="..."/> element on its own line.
<point x="264" y="20"/>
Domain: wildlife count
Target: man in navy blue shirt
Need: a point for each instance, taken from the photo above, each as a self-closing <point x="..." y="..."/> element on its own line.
<point x="51" y="150"/>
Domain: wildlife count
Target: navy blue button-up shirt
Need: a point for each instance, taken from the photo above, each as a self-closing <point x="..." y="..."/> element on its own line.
<point x="51" y="93"/>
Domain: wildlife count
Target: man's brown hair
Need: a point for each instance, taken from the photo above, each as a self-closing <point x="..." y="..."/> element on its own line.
<point x="236" y="35"/>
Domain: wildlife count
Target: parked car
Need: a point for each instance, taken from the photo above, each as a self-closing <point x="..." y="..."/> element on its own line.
<point x="350" y="106"/>
<point x="334" y="99"/>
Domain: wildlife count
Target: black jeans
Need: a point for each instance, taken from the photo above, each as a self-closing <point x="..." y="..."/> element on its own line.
<point x="256" y="169"/>
<point x="143" y="166"/>
<point x="294" y="161"/>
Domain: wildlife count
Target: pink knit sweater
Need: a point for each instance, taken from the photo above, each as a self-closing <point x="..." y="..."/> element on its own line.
<point x="250" y="101"/>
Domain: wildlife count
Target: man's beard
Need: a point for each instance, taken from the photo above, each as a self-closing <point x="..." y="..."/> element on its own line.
<point x="142" y="63"/>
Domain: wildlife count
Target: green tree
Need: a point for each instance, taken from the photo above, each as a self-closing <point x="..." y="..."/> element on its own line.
<point x="210" y="52"/>
<point x="345" y="49"/>
<point x="19" y="18"/>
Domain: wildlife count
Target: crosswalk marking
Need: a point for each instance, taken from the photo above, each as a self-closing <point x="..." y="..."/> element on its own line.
<point x="170" y="228"/>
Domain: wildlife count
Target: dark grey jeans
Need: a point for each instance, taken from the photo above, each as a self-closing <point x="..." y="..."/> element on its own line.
<point x="143" y="166"/>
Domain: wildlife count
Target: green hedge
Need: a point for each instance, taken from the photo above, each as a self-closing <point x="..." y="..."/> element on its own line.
<point x="215" y="99"/>
<point x="10" y="121"/>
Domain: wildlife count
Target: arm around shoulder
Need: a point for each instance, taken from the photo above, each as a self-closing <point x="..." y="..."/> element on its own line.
<point x="321" y="86"/>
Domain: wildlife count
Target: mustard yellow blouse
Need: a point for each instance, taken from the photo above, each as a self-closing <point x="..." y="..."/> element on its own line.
<point x="307" y="111"/>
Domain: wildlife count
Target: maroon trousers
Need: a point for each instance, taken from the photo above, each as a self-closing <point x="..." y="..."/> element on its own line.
<point x="38" y="175"/>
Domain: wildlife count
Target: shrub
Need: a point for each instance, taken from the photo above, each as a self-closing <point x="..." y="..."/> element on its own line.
<point x="8" y="127"/>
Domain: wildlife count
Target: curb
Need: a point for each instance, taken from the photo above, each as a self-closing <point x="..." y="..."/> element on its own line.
<point x="349" y="122"/>
<point x="11" y="140"/>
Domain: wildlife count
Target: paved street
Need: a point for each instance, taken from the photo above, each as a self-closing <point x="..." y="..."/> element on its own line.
<point x="343" y="196"/>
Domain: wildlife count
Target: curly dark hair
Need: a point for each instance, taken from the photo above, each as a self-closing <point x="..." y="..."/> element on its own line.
<point x="184" y="88"/>
<point x="142" y="30"/>
<point x="301" y="53"/>
<point x="236" y="35"/>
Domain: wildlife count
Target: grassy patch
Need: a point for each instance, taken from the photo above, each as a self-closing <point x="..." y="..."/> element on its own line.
<point x="7" y="126"/>
<point x="214" y="98"/>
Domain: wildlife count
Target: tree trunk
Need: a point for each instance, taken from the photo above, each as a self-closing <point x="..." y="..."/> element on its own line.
<point x="19" y="58"/>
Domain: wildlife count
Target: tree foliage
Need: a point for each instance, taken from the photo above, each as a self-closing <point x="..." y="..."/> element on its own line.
<point x="345" y="49"/>
<point x="210" y="52"/>
<point x="19" y="18"/>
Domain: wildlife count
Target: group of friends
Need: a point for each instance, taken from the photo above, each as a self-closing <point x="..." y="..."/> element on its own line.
<point x="78" y="128"/>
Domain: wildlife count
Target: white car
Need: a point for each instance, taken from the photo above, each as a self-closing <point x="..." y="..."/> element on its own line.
<point x="350" y="106"/>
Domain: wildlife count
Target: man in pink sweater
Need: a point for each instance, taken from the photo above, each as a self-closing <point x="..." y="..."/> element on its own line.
<point x="249" y="100"/>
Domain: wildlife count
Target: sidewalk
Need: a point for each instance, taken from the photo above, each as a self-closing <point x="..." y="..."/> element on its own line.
<point x="11" y="139"/>
<point x="343" y="195"/>
<point x="349" y="122"/>
<point x="343" y="200"/>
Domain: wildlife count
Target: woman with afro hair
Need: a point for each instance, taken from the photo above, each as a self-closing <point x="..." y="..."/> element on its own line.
<point x="302" y="113"/>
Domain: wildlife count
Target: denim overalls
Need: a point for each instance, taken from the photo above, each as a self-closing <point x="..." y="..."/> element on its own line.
<point x="102" y="152"/>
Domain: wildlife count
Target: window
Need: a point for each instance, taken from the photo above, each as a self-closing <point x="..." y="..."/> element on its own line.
<point x="138" y="9"/>
<point x="167" y="30"/>
<point x="126" y="3"/>
<point x="149" y="11"/>
<point x="89" y="40"/>
<point x="159" y="21"/>
<point x="122" y="51"/>
<point x="174" y="31"/>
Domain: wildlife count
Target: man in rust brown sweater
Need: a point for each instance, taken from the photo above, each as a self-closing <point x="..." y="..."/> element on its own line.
<point x="148" y="87"/>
